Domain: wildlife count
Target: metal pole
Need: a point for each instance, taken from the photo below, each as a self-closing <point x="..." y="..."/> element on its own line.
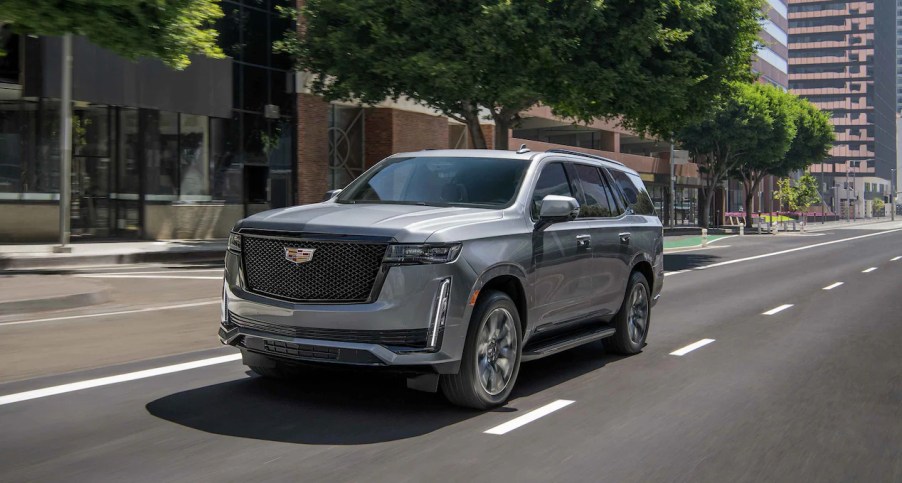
<point x="848" y="198"/>
<point x="65" y="145"/>
<point x="892" y="194"/>
<point x="672" y="211"/>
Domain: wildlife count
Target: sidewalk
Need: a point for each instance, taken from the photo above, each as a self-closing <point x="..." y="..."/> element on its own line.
<point x="28" y="257"/>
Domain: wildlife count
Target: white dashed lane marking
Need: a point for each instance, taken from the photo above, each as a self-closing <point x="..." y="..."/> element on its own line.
<point x="833" y="286"/>
<point x="691" y="347"/>
<point x="869" y="270"/>
<point x="777" y="309"/>
<point x="529" y="417"/>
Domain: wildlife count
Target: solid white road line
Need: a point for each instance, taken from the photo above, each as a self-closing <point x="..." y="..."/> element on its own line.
<point x="691" y="347"/>
<point x="777" y="309"/>
<point x="791" y="250"/>
<point x="107" y="314"/>
<point x="896" y="258"/>
<point x="667" y="274"/>
<point x="831" y="287"/>
<point x="869" y="270"/>
<point x="105" y="381"/>
<point x="156" y="272"/>
<point x="167" y="277"/>
<point x="529" y="417"/>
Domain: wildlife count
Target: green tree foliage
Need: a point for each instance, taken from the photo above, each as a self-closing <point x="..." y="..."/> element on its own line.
<point x="735" y="128"/>
<point x="651" y="63"/>
<point x="755" y="131"/>
<point x="878" y="207"/>
<point x="169" y="30"/>
<point x="810" y="136"/>
<point x="800" y="196"/>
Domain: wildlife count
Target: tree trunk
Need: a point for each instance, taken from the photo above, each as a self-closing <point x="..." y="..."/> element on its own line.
<point x="703" y="206"/>
<point x="750" y="187"/>
<point x="749" y="197"/>
<point x="502" y="134"/>
<point x="476" y="135"/>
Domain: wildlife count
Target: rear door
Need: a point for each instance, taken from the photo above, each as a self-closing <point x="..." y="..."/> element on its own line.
<point x="644" y="226"/>
<point x="602" y="218"/>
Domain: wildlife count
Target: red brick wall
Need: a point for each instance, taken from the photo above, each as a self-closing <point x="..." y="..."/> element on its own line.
<point x="414" y="131"/>
<point x="378" y="138"/>
<point x="389" y="131"/>
<point x="313" y="148"/>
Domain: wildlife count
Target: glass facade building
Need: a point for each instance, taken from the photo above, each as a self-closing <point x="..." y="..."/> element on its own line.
<point x="156" y="153"/>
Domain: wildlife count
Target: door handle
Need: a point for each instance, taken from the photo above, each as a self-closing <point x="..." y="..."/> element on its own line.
<point x="583" y="241"/>
<point x="624" y="238"/>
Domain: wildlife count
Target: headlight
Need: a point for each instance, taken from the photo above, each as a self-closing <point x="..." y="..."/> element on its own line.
<point x="439" y="253"/>
<point x="234" y="242"/>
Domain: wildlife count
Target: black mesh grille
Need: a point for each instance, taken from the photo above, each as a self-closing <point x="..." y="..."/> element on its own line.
<point x="337" y="272"/>
<point x="401" y="338"/>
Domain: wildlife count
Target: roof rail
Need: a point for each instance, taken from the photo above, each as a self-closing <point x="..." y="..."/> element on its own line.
<point x="587" y="155"/>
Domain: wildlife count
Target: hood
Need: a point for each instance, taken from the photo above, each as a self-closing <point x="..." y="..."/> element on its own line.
<point x="403" y="223"/>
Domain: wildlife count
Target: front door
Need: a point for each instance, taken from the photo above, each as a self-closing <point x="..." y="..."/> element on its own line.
<point x="561" y="281"/>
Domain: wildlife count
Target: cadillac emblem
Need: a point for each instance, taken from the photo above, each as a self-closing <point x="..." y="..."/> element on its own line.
<point x="299" y="255"/>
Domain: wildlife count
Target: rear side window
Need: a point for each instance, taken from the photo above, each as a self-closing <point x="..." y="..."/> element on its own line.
<point x="634" y="193"/>
<point x="597" y="202"/>
<point x="552" y="181"/>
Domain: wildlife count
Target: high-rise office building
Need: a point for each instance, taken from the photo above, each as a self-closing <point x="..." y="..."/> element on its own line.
<point x="841" y="57"/>
<point x="771" y="62"/>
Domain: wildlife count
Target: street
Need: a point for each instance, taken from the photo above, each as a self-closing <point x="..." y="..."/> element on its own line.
<point x="770" y="358"/>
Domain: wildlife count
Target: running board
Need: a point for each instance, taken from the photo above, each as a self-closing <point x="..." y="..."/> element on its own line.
<point x="565" y="341"/>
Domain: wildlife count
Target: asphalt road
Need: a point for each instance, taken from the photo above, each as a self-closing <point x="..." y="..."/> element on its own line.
<point x="812" y="392"/>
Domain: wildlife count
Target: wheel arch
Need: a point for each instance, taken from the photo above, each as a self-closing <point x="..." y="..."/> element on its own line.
<point x="510" y="279"/>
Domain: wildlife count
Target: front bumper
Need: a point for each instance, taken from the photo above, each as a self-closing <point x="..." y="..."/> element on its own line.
<point x="389" y="332"/>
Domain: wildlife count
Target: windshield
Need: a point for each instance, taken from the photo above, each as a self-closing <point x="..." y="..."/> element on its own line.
<point x="439" y="181"/>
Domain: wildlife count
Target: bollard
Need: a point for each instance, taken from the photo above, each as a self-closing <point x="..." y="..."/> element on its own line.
<point x="759" y="227"/>
<point x="704" y="237"/>
<point x="741" y="230"/>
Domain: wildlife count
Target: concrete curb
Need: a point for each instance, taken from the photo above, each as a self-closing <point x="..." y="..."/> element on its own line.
<point x="60" y="302"/>
<point x="49" y="262"/>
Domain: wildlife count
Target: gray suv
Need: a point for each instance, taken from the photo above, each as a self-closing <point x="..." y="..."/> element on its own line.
<point x="451" y="267"/>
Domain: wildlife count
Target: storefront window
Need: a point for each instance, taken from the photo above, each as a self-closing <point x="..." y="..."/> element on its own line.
<point x="128" y="182"/>
<point x="226" y="164"/>
<point x="160" y="136"/>
<point x="194" y="167"/>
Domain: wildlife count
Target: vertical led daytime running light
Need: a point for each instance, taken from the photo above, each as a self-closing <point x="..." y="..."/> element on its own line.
<point x="440" y="312"/>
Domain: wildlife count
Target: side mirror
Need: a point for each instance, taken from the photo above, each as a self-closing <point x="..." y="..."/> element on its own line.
<point x="330" y="194"/>
<point x="557" y="209"/>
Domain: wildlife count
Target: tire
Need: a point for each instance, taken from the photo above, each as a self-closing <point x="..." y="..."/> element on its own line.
<point x="491" y="358"/>
<point x="632" y="321"/>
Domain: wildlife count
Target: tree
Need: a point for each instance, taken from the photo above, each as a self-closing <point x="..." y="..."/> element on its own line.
<point x="651" y="63"/>
<point x="740" y="124"/>
<point x="809" y="134"/>
<point x="169" y="30"/>
<point x="878" y="207"/>
<point x="799" y="197"/>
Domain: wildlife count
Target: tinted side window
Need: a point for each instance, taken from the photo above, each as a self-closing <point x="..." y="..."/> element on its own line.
<point x="616" y="202"/>
<point x="636" y="197"/>
<point x="552" y="181"/>
<point x="595" y="191"/>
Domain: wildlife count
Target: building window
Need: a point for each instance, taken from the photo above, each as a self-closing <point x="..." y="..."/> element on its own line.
<point x="193" y="165"/>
